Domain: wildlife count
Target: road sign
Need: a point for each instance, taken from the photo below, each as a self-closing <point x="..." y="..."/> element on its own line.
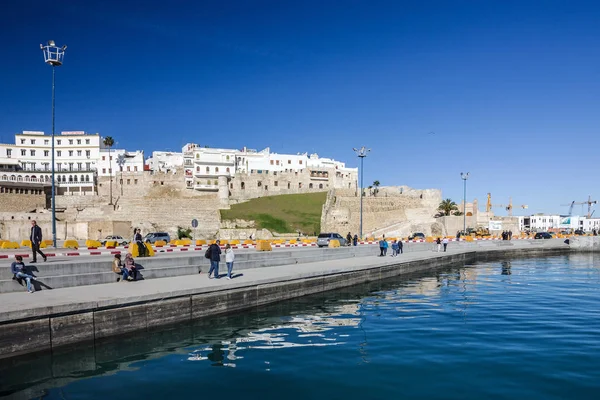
<point x="194" y="223"/>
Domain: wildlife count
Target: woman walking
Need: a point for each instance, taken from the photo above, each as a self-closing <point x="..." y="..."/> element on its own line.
<point x="229" y="258"/>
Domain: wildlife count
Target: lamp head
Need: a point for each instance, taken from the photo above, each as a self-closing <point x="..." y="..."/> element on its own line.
<point x="51" y="43"/>
<point x="64" y="47"/>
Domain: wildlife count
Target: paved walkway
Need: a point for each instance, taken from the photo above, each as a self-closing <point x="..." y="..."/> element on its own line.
<point x="21" y="305"/>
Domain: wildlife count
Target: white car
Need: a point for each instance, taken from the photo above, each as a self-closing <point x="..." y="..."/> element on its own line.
<point x="114" y="238"/>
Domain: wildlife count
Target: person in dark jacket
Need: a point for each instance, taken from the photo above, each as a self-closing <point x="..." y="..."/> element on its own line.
<point x="36" y="241"/>
<point x="18" y="270"/>
<point x="215" y="258"/>
<point x="140" y="243"/>
<point x="349" y="239"/>
<point x="400" y="246"/>
<point x="355" y="240"/>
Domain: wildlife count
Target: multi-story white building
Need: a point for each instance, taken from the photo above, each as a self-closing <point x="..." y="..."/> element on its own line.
<point x="76" y="155"/>
<point x="163" y="161"/>
<point x="541" y="223"/>
<point x="203" y="166"/>
<point x="108" y="164"/>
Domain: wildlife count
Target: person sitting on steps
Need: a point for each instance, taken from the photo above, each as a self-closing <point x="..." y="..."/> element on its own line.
<point x="119" y="269"/>
<point x="18" y="269"/>
<point x="140" y="243"/>
<point x="130" y="267"/>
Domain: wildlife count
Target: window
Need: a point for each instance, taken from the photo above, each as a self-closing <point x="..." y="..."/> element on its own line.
<point x="277" y="162"/>
<point x="227" y="158"/>
<point x="197" y="156"/>
<point x="276" y="183"/>
<point x="266" y="187"/>
<point x="82" y="178"/>
<point x="59" y="166"/>
<point x="135" y="168"/>
<point x="23" y="152"/>
<point x="58" y="141"/>
<point x="70" y="153"/>
<point x="242" y="185"/>
<point x="207" y="169"/>
<point x="46" y="153"/>
<point x="289" y="185"/>
<point x="129" y="181"/>
<point x="231" y="186"/>
<point x="128" y="168"/>
<point x="227" y="169"/>
<point x="299" y="185"/>
<point x="75" y="178"/>
<point x="70" y="178"/>
<point x="103" y="158"/>
<point x="216" y="169"/>
<point x="78" y="141"/>
<point x="8" y="152"/>
<point x="87" y="178"/>
<point x="289" y="161"/>
<point x="215" y="183"/>
<point x="300" y="161"/>
<point x="70" y="166"/>
<point x="135" y="181"/>
<point x="103" y="170"/>
<point x="271" y="162"/>
<point x="197" y="169"/>
<point x="46" y="142"/>
<point x="79" y="166"/>
<point x="88" y="166"/>
<point x="22" y="141"/>
<point x="87" y="141"/>
<point x="32" y="141"/>
<point x="59" y="153"/>
<point x="259" y="183"/>
<point x="70" y="141"/>
<point x="320" y="186"/>
<point x="310" y="186"/>
<point x="32" y="152"/>
<point x="46" y="166"/>
<point x="78" y="153"/>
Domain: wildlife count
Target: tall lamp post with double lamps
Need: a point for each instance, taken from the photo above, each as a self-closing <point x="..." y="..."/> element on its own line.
<point x="53" y="55"/>
<point x="464" y="178"/>
<point x="361" y="153"/>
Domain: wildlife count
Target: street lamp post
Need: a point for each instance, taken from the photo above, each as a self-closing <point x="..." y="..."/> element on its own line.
<point x="121" y="162"/>
<point x="53" y="55"/>
<point x="464" y="178"/>
<point x="361" y="153"/>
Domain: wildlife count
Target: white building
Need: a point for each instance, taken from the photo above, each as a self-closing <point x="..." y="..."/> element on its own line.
<point x="205" y="164"/>
<point x="109" y="164"/>
<point x="542" y="223"/>
<point x="163" y="161"/>
<point x="76" y="154"/>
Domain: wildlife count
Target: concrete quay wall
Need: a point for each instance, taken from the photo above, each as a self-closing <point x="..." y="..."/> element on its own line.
<point x="67" y="322"/>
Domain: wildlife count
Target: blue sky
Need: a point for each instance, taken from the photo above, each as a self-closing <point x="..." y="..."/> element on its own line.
<point x="509" y="88"/>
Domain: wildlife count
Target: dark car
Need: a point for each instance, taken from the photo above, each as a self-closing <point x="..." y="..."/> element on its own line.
<point x="542" y="235"/>
<point x="417" y="236"/>
<point x="324" y="238"/>
<point x="580" y="232"/>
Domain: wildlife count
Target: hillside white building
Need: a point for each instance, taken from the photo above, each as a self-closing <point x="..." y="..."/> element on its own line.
<point x="163" y="161"/>
<point x="109" y="165"/>
<point x="542" y="223"/>
<point x="75" y="160"/>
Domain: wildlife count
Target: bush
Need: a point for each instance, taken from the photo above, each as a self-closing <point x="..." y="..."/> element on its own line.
<point x="184" y="233"/>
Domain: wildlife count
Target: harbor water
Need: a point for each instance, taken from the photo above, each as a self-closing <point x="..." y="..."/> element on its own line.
<point x="515" y="329"/>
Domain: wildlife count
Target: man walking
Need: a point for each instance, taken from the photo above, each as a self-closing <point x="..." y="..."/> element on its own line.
<point x="215" y="257"/>
<point x="36" y="239"/>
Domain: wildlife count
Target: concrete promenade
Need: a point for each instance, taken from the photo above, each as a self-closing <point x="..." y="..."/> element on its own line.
<point x="53" y="318"/>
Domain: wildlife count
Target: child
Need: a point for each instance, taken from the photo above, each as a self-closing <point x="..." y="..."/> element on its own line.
<point x="130" y="267"/>
<point x="18" y="269"/>
<point x="229" y="257"/>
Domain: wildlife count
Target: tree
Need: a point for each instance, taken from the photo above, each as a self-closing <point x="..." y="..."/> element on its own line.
<point x="447" y="206"/>
<point x="376" y="186"/>
<point x="109" y="142"/>
<point x="370" y="192"/>
<point x="184" y="233"/>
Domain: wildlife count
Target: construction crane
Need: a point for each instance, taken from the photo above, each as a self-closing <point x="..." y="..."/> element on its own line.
<point x="508" y="208"/>
<point x="589" y="203"/>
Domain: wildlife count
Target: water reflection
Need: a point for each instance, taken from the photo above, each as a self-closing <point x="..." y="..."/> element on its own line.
<point x="335" y="319"/>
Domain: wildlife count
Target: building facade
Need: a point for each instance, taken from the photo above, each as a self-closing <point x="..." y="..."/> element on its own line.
<point x="164" y="161"/>
<point x="108" y="161"/>
<point x="76" y="155"/>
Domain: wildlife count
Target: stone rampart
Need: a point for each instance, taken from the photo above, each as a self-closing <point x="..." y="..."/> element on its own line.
<point x="16" y="202"/>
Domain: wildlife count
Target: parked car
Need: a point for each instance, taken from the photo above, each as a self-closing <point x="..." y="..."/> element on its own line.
<point x="324" y="238"/>
<point x="153" y="237"/>
<point x="580" y="232"/>
<point x="417" y="236"/>
<point x="542" y="235"/>
<point x="114" y="238"/>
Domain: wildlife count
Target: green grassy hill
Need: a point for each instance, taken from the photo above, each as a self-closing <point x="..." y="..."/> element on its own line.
<point x="283" y="214"/>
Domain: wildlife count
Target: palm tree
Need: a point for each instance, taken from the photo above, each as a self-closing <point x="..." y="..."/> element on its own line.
<point x="376" y="186"/>
<point x="447" y="206"/>
<point x="109" y="142"/>
<point x="370" y="187"/>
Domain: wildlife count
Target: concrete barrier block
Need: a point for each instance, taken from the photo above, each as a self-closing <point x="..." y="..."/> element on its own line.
<point x="24" y="337"/>
<point x="73" y="328"/>
<point x="26" y="243"/>
<point x="168" y="311"/>
<point x="71" y="244"/>
<point x="263" y="245"/>
<point x="94" y="243"/>
<point x="334" y="243"/>
<point x="200" y="242"/>
<point x="120" y="320"/>
<point x="160" y="243"/>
